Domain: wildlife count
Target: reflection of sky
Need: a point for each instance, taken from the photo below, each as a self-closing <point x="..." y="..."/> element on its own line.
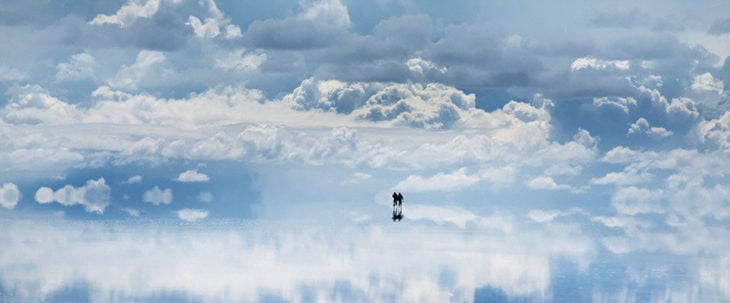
<point x="219" y="150"/>
<point x="233" y="260"/>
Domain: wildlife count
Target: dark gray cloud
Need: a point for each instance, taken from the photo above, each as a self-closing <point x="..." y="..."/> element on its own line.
<point x="291" y="34"/>
<point x="166" y="32"/>
<point x="720" y="27"/>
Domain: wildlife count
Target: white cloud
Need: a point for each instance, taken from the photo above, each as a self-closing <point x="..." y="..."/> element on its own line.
<point x="706" y="82"/>
<point x="133" y="180"/>
<point x="716" y="131"/>
<point x="81" y="67"/>
<point x="95" y="195"/>
<point x="599" y="64"/>
<point x="192" y="215"/>
<point x="237" y="61"/>
<point x="547" y="183"/>
<point x="331" y="12"/>
<point x="132" y="212"/>
<point x="128" y="13"/>
<point x="145" y="66"/>
<point x="8" y="74"/>
<point x="633" y="200"/>
<point x="641" y="126"/>
<point x="232" y="32"/>
<point x="619" y="102"/>
<point x="421" y="66"/>
<point x="158" y="196"/>
<point x="9" y="195"/>
<point x="453" y="181"/>
<point x="205" y="197"/>
<point x="44" y="195"/>
<point x="627" y="177"/>
<point x="192" y="176"/>
<point x="32" y="104"/>
<point x="542" y="216"/>
<point x="209" y="28"/>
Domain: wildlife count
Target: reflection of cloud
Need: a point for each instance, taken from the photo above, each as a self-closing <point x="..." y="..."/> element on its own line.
<point x="242" y="263"/>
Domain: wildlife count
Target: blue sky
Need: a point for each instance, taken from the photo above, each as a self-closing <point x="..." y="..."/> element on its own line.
<point x="216" y="151"/>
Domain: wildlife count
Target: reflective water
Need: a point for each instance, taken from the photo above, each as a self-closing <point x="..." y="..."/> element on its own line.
<point x="269" y="261"/>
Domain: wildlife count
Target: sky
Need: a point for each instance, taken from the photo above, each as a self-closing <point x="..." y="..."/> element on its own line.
<point x="246" y="151"/>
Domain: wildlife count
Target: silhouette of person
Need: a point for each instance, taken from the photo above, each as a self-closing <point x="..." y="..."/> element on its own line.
<point x="395" y="199"/>
<point x="400" y="200"/>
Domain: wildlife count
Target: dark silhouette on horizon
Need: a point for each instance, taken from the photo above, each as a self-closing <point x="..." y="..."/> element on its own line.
<point x="397" y="206"/>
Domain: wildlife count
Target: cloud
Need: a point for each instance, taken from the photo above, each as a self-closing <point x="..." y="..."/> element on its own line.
<point x="321" y="23"/>
<point x="453" y="181"/>
<point x="145" y="67"/>
<point x="599" y="64"/>
<point x="9" y="195"/>
<point x="132" y="212"/>
<point x="205" y="197"/>
<point x="716" y="131"/>
<point x="542" y="216"/>
<point x="719" y="27"/>
<point x="133" y="180"/>
<point x="641" y="126"/>
<point x="421" y="66"/>
<point x="95" y="195"/>
<point x="237" y="61"/>
<point x="619" y="102"/>
<point x="192" y="176"/>
<point x="128" y="13"/>
<point x="547" y="183"/>
<point x="80" y="67"/>
<point x="706" y="82"/>
<point x="32" y="104"/>
<point x="158" y="196"/>
<point x="206" y="29"/>
<point x="632" y="200"/>
<point x="192" y="215"/>
<point x="8" y="74"/>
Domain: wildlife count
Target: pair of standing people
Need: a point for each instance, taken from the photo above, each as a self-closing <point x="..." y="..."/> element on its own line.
<point x="397" y="206"/>
<point x="398" y="200"/>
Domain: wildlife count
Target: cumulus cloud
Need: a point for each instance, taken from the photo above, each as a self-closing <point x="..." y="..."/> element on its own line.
<point x="598" y="64"/>
<point x="238" y="61"/>
<point x="192" y="176"/>
<point x="10" y="74"/>
<point x="133" y="180"/>
<point x="633" y="200"/>
<point x="547" y="183"/>
<point x="421" y="66"/>
<point x="32" y="104"/>
<point x="191" y="215"/>
<point x="209" y="28"/>
<point x="706" y="82"/>
<point x="453" y="181"/>
<point x="95" y="195"/>
<point x="80" y="67"/>
<point x="641" y="126"/>
<point x="716" y="131"/>
<point x="145" y="66"/>
<point x="9" y="195"/>
<point x="158" y="196"/>
<point x="619" y="102"/>
<point x="128" y="13"/>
